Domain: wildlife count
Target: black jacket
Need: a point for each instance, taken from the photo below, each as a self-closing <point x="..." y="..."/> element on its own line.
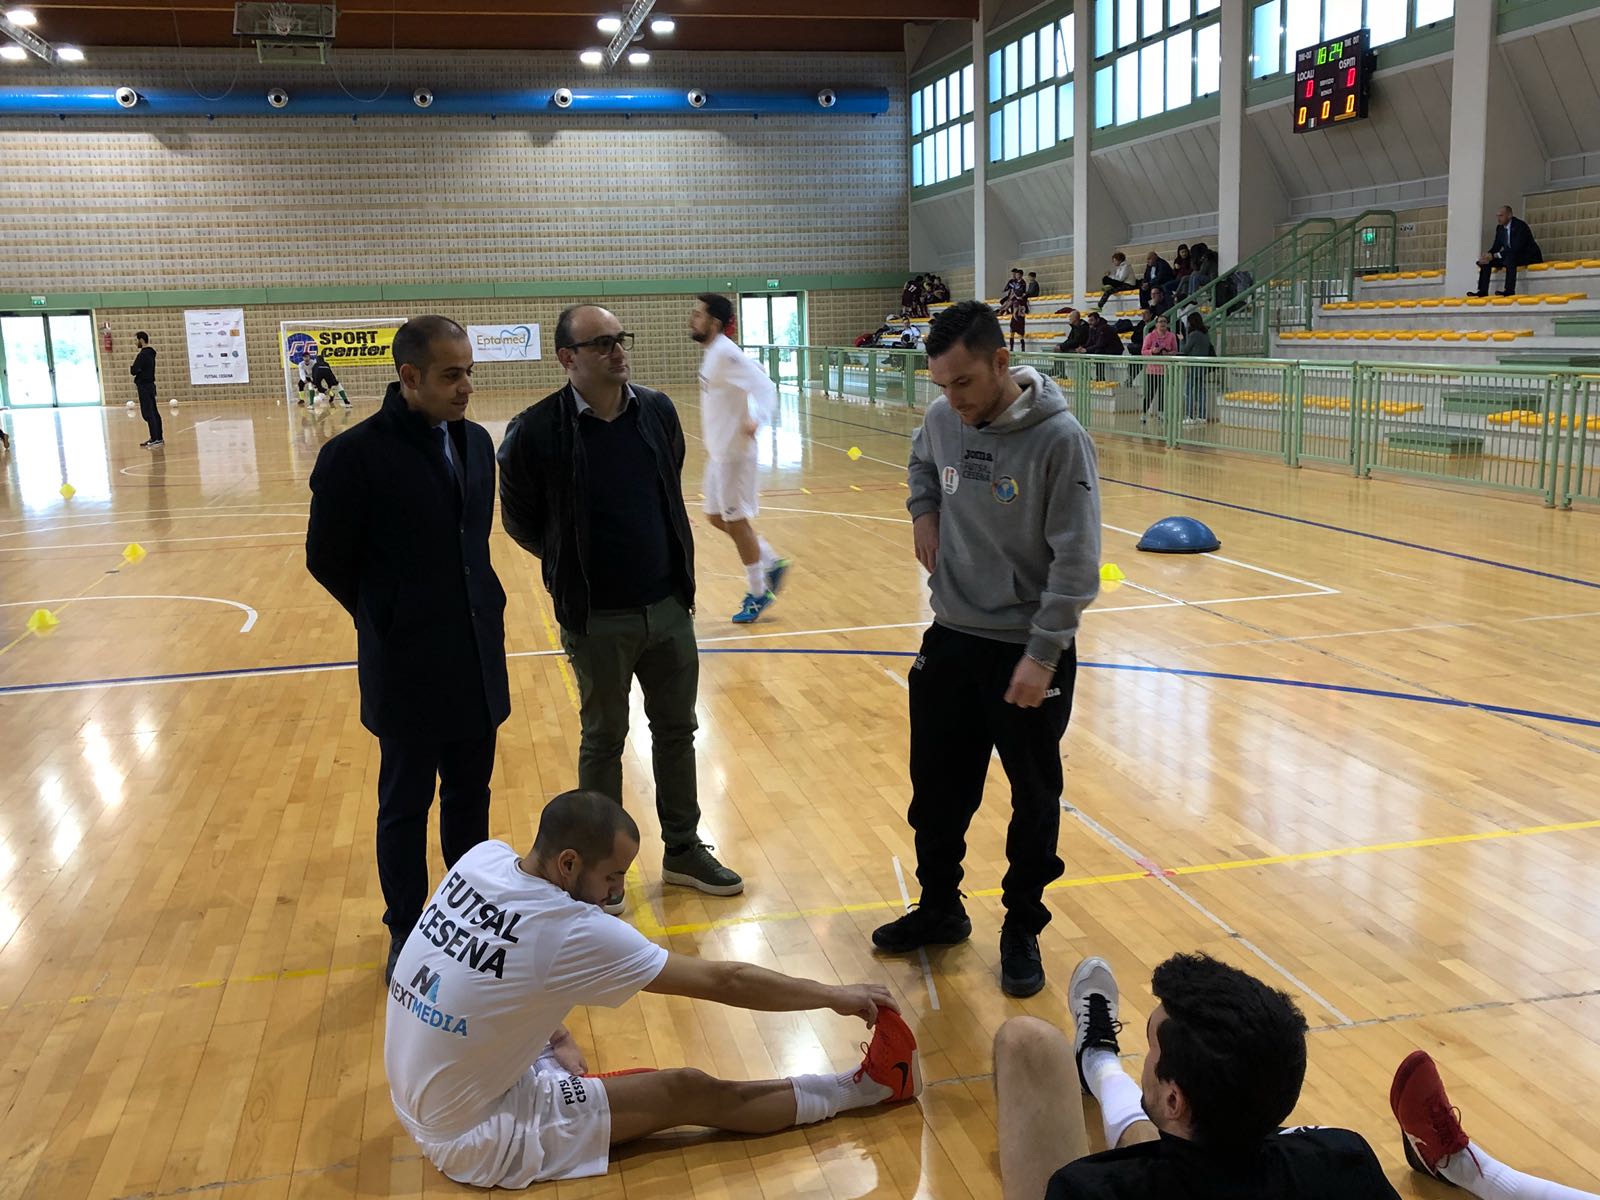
<point x="144" y="369"/>
<point x="1159" y="273"/>
<point x="397" y="543"/>
<point x="1077" y="338"/>
<point x="544" y="494"/>
<point x="1103" y="340"/>
<point x="1513" y="243"/>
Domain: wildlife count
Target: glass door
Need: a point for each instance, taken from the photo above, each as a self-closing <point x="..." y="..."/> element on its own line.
<point x="755" y="325"/>
<point x="48" y="361"/>
<point x="774" y="318"/>
<point x="72" y="358"/>
<point x="27" y="359"/>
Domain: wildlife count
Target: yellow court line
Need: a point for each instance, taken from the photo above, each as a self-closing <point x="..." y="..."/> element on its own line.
<point x="93" y="583"/>
<point x="646" y="921"/>
<point x="555" y="644"/>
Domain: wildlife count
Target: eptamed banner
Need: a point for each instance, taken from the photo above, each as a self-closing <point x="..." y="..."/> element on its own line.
<point x="343" y="345"/>
<point x="505" y="343"/>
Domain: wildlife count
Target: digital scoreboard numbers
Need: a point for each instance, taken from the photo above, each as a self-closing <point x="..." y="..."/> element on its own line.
<point x="1331" y="81"/>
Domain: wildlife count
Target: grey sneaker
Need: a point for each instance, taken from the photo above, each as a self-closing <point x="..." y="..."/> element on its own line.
<point x="695" y="866"/>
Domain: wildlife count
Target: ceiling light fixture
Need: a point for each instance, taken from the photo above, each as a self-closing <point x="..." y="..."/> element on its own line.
<point x="638" y="57"/>
<point x="663" y="26"/>
<point x="22" y="16"/>
<point x="608" y="24"/>
<point x="592" y="58"/>
<point x="13" y="53"/>
<point x="69" y="54"/>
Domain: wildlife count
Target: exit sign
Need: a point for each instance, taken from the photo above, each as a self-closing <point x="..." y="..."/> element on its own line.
<point x="772" y="283"/>
<point x="38" y="301"/>
<point x="1369" y="236"/>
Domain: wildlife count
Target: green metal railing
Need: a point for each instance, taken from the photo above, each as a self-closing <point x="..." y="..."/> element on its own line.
<point x="1507" y="428"/>
<point x="1270" y="260"/>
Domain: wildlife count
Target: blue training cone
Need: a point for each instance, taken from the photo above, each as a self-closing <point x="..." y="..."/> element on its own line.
<point x="1179" y="535"/>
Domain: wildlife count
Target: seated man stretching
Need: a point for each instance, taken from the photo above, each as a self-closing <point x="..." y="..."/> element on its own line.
<point x="486" y="1078"/>
<point x="1226" y="1060"/>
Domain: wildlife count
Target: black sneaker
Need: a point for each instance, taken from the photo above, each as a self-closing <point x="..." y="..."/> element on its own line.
<point x="1092" y="997"/>
<point x="1021" y="972"/>
<point x="695" y="866"/>
<point x="154" y="444"/>
<point x="923" y="925"/>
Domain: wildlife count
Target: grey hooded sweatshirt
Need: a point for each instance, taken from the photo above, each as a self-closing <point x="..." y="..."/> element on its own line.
<point x="1019" y="518"/>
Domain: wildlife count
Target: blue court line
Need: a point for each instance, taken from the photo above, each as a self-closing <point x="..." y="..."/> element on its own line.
<point x="1266" y="512"/>
<point x="1177" y="672"/>
<point x="1361" y="533"/>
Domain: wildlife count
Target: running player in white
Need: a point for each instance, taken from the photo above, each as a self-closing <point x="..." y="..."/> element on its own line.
<point x="482" y="1071"/>
<point x="729" y="381"/>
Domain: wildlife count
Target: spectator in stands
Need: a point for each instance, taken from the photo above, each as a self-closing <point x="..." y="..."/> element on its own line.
<point x="1033" y="284"/>
<point x="1077" y="334"/>
<point x="1158" y="340"/>
<point x="1102" y="340"/>
<point x="940" y="291"/>
<point x="1202" y="271"/>
<point x="1513" y="247"/>
<point x="1196" y="390"/>
<point x="1157" y="274"/>
<point x="1159" y="302"/>
<point x="1182" y="264"/>
<point x="1015" y="286"/>
<point x="1117" y="280"/>
<point x="910" y="296"/>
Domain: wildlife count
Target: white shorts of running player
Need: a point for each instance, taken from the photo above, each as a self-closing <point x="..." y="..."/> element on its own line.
<point x="730" y="488"/>
<point x="551" y="1125"/>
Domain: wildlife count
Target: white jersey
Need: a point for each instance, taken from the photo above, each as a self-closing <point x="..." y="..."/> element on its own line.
<point x="729" y="381"/>
<point x="493" y="967"/>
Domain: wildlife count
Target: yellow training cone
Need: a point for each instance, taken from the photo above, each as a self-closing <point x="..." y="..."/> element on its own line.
<point x="68" y="491"/>
<point x="853" y="453"/>
<point x="42" y="621"/>
<point x="1111" y="573"/>
<point x="133" y="552"/>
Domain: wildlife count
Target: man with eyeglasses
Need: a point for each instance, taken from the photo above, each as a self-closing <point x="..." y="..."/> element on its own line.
<point x="591" y="484"/>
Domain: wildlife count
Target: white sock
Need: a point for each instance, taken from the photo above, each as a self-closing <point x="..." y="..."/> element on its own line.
<point x="1121" y="1102"/>
<point x="768" y="554"/>
<point x="1489" y="1179"/>
<point x="755" y="579"/>
<point x="818" y="1097"/>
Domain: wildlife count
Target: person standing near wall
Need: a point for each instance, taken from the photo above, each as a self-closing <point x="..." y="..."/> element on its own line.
<point x="144" y="382"/>
<point x="401" y="508"/>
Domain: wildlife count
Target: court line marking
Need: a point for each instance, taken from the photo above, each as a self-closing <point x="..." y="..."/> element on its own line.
<point x="922" y="953"/>
<point x="700" y="927"/>
<point x="1133" y="533"/>
<point x="249" y="619"/>
<point x="1142" y="668"/>
<point x="156" y="541"/>
<point x="146" y="518"/>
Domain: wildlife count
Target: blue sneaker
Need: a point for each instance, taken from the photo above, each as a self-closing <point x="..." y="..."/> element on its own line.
<point x="752" y="608"/>
<point x="775" y="574"/>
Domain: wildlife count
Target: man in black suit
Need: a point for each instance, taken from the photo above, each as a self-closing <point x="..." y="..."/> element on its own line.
<point x="401" y="509"/>
<point x="1158" y="273"/>
<point x="1513" y="247"/>
<point x="144" y="383"/>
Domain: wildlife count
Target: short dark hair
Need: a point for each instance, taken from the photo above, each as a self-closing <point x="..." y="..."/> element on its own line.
<point x="1235" y="1046"/>
<point x="1197" y="323"/>
<point x="1033" y="274"/>
<point x="1119" y="256"/>
<point x="585" y="821"/>
<point x="141" y="336"/>
<point x="971" y="322"/>
<point x="413" y="341"/>
<point x="720" y="308"/>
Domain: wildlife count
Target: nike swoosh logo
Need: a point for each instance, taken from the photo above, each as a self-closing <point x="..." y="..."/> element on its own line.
<point x="905" y="1076"/>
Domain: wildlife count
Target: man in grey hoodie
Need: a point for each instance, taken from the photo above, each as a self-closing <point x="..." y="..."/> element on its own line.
<point x="1006" y="519"/>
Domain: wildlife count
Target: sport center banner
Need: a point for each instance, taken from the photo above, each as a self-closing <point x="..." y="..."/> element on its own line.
<point x="215" y="339"/>
<point x="504" y="343"/>
<point x="343" y="345"/>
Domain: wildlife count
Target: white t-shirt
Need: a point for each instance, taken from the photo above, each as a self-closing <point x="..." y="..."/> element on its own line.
<point x="729" y="380"/>
<point x="493" y="967"/>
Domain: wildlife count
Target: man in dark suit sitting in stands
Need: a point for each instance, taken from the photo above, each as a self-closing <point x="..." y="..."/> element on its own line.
<point x="1513" y="247"/>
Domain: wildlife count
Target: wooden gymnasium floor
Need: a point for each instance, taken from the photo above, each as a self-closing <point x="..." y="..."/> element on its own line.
<point x="1363" y="768"/>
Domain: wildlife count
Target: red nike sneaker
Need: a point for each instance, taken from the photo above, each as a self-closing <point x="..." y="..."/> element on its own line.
<point x="892" y="1058"/>
<point x="1430" y="1126"/>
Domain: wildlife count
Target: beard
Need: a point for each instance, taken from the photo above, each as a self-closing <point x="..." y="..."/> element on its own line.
<point x="702" y="338"/>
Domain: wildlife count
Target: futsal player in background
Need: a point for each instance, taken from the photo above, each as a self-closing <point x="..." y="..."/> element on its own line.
<point x="320" y="379"/>
<point x="736" y="399"/>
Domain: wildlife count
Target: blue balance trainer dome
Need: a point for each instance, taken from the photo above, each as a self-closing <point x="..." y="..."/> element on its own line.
<point x="1179" y="535"/>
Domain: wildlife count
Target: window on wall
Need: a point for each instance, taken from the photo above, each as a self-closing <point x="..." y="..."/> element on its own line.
<point x="1030" y="91"/>
<point x="1279" y="28"/>
<point x="1153" y="56"/>
<point x="941" y="128"/>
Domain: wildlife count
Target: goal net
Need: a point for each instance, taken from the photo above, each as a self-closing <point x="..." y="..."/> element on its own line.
<point x="360" y="351"/>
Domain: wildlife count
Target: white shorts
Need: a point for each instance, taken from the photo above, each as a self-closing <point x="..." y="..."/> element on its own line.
<point x="730" y="489"/>
<point x="551" y="1125"/>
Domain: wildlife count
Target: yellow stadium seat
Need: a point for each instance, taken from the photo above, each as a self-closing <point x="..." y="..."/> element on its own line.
<point x="1405" y="335"/>
<point x="1430" y="274"/>
<point x="1477" y="335"/>
<point x="1566" y="264"/>
<point x="1368" y="303"/>
<point x="1343" y="335"/>
<point x="1559" y="299"/>
<point x="1449" y="335"/>
<point x="1502" y="300"/>
<point x="1429" y="303"/>
<point x="1382" y="335"/>
<point x="1476" y="301"/>
<point x="1427" y="335"/>
<point x="1528" y="299"/>
<point x="1521" y="333"/>
<point x="1388" y="304"/>
<point x="1408" y="274"/>
<point x="1537" y="267"/>
<point x="1407" y="303"/>
<point x="1502" y="335"/>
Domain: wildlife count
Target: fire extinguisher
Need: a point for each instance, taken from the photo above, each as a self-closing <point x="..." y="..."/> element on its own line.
<point x="105" y="337"/>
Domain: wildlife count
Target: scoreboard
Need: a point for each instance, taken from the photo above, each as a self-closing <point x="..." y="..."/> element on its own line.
<point x="1331" y="81"/>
